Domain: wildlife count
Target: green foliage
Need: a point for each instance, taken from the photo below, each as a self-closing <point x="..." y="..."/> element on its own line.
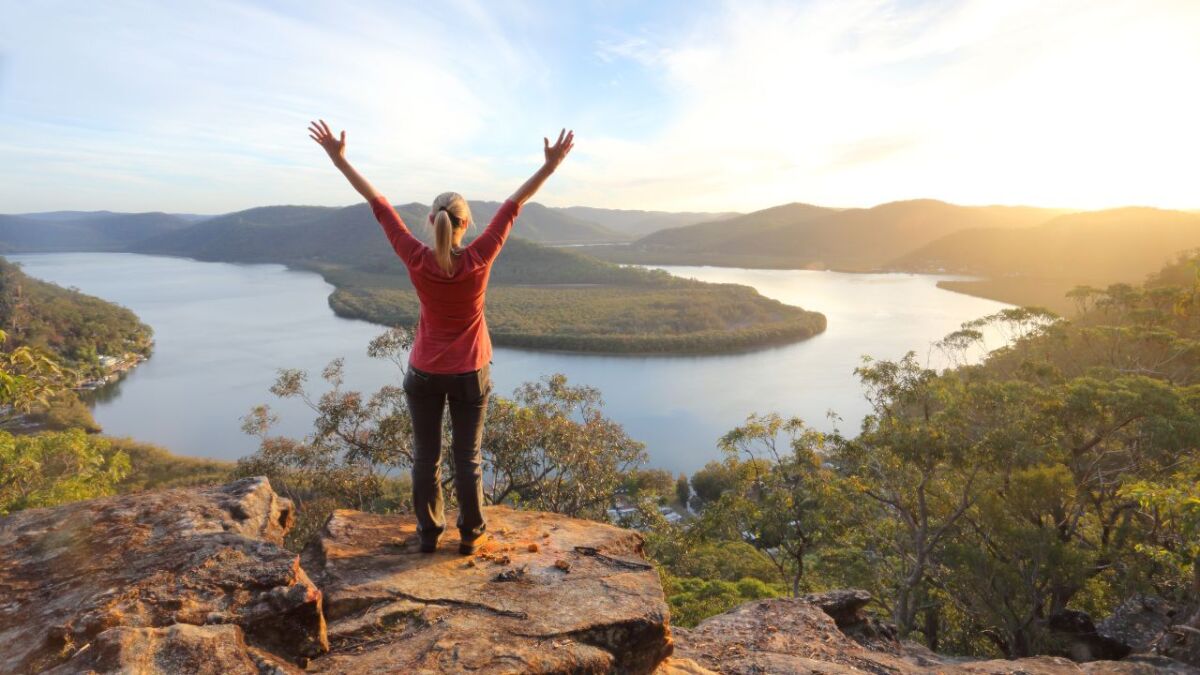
<point x="657" y="484"/>
<point x="353" y="455"/>
<point x="53" y="468"/>
<point x="73" y="327"/>
<point x="683" y="491"/>
<point x="551" y="448"/>
<point x="975" y="503"/>
<point x="782" y="500"/>
<point x="154" y="467"/>
<point x="693" y="599"/>
<point x="712" y="481"/>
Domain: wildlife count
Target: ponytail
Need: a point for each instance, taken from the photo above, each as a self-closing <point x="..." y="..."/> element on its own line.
<point x="450" y="212"/>
<point x="441" y="238"/>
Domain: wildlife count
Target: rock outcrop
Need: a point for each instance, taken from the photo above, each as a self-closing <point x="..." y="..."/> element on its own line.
<point x="791" y="636"/>
<point x="197" y="581"/>
<point x="195" y="557"/>
<point x="545" y="594"/>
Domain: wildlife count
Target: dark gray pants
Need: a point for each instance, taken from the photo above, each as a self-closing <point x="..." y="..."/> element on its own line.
<point x="427" y="395"/>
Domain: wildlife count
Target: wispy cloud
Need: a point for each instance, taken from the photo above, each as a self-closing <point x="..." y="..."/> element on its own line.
<point x="741" y="105"/>
<point x="859" y="101"/>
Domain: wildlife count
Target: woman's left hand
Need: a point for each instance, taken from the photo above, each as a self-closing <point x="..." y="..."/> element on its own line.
<point x="336" y="148"/>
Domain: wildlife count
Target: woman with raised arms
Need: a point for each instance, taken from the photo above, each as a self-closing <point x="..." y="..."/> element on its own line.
<point x="452" y="351"/>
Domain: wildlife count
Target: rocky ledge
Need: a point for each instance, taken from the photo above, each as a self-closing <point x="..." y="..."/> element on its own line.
<point x="197" y="581"/>
<point x="544" y="594"/>
<point x="101" y="575"/>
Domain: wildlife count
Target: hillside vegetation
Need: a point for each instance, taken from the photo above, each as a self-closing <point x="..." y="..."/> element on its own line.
<point x="611" y="310"/>
<point x="83" y="231"/>
<point x="799" y="236"/>
<point x="1039" y="265"/>
<point x="76" y="328"/>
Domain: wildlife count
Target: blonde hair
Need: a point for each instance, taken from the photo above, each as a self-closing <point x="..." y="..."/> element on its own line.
<point x="450" y="212"/>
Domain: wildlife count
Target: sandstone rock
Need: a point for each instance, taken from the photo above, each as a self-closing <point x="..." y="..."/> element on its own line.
<point x="180" y="648"/>
<point x="1085" y="643"/>
<point x="677" y="666"/>
<point x="790" y="636"/>
<point x="781" y="635"/>
<point x="1139" y="621"/>
<point x="1181" y="641"/>
<point x="507" y="609"/>
<point x="845" y="607"/>
<point x="189" y="556"/>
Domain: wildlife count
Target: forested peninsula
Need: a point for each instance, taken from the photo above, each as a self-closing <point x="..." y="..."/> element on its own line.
<point x="540" y="297"/>
<point x="71" y="339"/>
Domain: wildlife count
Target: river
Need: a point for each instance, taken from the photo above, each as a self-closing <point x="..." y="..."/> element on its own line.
<point x="222" y="330"/>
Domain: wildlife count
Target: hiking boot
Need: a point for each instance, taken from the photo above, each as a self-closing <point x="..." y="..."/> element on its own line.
<point x="428" y="544"/>
<point x="469" y="546"/>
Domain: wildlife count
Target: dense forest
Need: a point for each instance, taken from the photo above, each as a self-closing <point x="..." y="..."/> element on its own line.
<point x="76" y="328"/>
<point x="978" y="504"/>
<point x="580" y="304"/>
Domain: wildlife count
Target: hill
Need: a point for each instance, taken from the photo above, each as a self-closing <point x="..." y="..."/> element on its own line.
<point x="636" y="223"/>
<point x="83" y="231"/>
<point x="76" y="328"/>
<point x="805" y="236"/>
<point x="347" y="234"/>
<point x="1039" y="265"/>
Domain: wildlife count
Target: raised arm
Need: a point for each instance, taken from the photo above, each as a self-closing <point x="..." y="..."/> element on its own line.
<point x="554" y="156"/>
<point x="336" y="149"/>
<point x="403" y="242"/>
<point x="488" y="244"/>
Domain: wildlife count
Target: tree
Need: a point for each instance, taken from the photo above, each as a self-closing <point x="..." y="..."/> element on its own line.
<point x="29" y="380"/>
<point x="55" y="468"/>
<point x="683" y="491"/>
<point x="710" y="482"/>
<point x="919" y="457"/>
<point x="782" y="499"/>
<point x="356" y="452"/>
<point x="551" y="448"/>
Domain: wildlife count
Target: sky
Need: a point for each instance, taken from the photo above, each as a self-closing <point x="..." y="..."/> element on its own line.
<point x="201" y="107"/>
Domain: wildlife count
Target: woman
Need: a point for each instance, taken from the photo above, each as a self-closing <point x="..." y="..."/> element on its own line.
<point x="450" y="357"/>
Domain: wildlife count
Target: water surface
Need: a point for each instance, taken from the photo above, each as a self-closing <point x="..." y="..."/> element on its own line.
<point x="222" y="330"/>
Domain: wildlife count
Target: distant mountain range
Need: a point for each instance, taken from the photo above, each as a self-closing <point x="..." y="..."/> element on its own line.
<point x="83" y="231"/>
<point x="807" y="236"/>
<point x="640" y="223"/>
<point x="258" y="227"/>
<point x="1114" y="245"/>
<point x="1048" y="250"/>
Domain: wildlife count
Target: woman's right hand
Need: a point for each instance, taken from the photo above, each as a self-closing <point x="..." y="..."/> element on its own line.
<point x="336" y="148"/>
<point x="558" y="152"/>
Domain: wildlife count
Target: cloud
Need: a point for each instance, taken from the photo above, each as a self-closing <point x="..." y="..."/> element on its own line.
<point x="202" y="106"/>
<point x="209" y="101"/>
<point x="852" y="102"/>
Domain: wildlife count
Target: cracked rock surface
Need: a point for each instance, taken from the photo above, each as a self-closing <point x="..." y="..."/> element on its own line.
<point x="545" y="594"/>
<point x="193" y="556"/>
<point x="792" y="636"/>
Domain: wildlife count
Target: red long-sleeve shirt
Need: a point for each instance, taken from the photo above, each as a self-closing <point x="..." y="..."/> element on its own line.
<point x="452" y="335"/>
